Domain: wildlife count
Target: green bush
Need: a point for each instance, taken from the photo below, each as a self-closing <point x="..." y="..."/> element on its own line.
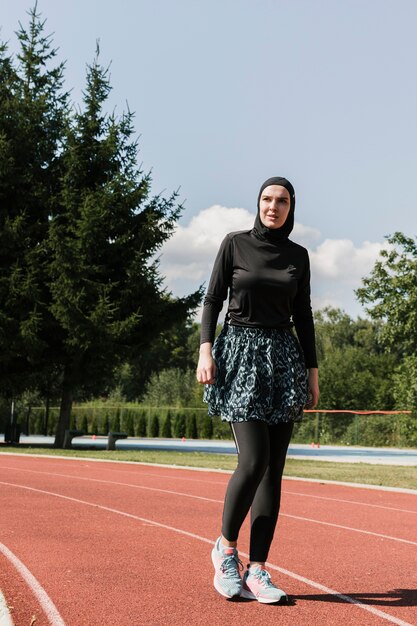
<point x="154" y="427"/>
<point x="179" y="426"/>
<point x="128" y="424"/>
<point x="206" y="431"/>
<point x="166" y="430"/>
<point x="84" y="424"/>
<point x="141" y="424"/>
<point x="191" y="427"/>
<point x="221" y="430"/>
<point x="115" y="422"/>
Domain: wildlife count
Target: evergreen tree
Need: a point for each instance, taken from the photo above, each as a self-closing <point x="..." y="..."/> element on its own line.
<point x="79" y="233"/>
<point x="154" y="427"/>
<point x="179" y="426"/>
<point x="115" y="423"/>
<point x="84" y="425"/>
<point x="167" y="426"/>
<point x="207" y="428"/>
<point x="33" y="109"/>
<point x="141" y="426"/>
<point x="191" y="427"/>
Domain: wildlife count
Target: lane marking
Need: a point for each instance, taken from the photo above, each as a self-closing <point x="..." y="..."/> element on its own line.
<point x="5" y="617"/>
<point x="320" y="481"/>
<point x="204" y="498"/>
<point x="38" y="591"/>
<point x="218" y="482"/>
<point x="377" y="506"/>
<point x="180" y="531"/>
<point x="357" y="530"/>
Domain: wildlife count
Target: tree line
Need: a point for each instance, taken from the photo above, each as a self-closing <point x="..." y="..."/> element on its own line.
<point x="83" y="310"/>
<point x="80" y="290"/>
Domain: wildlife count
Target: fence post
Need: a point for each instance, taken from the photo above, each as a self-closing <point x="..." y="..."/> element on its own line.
<point x="317" y="428"/>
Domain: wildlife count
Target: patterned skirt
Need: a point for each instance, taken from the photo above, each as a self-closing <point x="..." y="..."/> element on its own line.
<point x="261" y="375"/>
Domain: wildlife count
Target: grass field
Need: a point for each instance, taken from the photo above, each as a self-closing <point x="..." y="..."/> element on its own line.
<point x="381" y="475"/>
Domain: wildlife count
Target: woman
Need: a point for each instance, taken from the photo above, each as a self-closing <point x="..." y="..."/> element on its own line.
<point x="256" y="377"/>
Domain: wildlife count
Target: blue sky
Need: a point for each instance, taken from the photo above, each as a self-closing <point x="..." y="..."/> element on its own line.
<point x="230" y="92"/>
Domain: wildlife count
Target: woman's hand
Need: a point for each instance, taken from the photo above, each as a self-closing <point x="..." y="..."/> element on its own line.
<point x="206" y="368"/>
<point x="313" y="388"/>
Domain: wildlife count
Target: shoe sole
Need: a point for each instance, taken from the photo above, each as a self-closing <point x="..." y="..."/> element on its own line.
<point x="216" y="584"/>
<point x="248" y="595"/>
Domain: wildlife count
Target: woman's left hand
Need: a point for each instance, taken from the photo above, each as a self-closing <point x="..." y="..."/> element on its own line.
<point x="313" y="388"/>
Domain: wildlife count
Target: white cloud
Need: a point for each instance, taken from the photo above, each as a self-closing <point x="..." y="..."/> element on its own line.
<point x="305" y="235"/>
<point x="338" y="265"/>
<point x="190" y="252"/>
<point x="340" y="259"/>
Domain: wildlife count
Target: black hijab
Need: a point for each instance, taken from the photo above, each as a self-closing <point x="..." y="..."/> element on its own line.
<point x="276" y="234"/>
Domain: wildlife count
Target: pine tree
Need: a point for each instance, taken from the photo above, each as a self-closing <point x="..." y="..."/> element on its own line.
<point x="154" y="427"/>
<point x="141" y="426"/>
<point x="167" y="426"/>
<point x="79" y="234"/>
<point x="191" y="427"/>
<point x="180" y="426"/>
<point x="207" y="427"/>
<point x="33" y="109"/>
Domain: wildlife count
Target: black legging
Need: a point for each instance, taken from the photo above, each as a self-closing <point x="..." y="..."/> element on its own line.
<point x="256" y="483"/>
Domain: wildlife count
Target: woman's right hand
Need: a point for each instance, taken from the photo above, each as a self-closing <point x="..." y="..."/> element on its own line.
<point x="206" y="367"/>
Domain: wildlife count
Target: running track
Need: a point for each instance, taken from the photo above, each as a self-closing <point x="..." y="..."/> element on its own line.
<point x="87" y="543"/>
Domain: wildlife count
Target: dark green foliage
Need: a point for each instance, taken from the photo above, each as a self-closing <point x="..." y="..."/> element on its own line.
<point x="221" y="430"/>
<point x="191" y="426"/>
<point x="115" y="422"/>
<point x="166" y="430"/>
<point x="33" y="109"/>
<point x="179" y="426"/>
<point x="94" y="426"/>
<point x="391" y="292"/>
<point x="84" y="425"/>
<point x="154" y="427"/>
<point x="128" y="423"/>
<point x="172" y="387"/>
<point x="206" y="428"/>
<point x="355" y="372"/>
<point x="80" y="291"/>
<point x="106" y="425"/>
<point x="141" y="425"/>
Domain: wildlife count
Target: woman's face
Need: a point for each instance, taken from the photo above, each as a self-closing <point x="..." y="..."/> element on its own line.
<point x="274" y="206"/>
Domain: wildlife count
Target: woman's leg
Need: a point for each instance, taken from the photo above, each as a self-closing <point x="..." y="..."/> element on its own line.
<point x="266" y="502"/>
<point x="253" y="445"/>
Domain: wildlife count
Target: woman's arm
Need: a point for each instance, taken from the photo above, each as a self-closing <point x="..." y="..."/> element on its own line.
<point x="313" y="388"/>
<point x="206" y="368"/>
<point x="213" y="303"/>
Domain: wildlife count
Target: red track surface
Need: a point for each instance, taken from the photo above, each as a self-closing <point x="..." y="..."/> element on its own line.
<point x="125" y="545"/>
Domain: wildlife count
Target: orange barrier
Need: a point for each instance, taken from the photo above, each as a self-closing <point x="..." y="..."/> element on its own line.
<point x="357" y="412"/>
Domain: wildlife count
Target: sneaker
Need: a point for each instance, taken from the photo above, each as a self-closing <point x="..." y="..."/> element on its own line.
<point x="227" y="567"/>
<point x="257" y="585"/>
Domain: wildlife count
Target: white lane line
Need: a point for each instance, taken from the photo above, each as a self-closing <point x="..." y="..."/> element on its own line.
<point x="185" y="468"/>
<point x="180" y="531"/>
<point x="356" y="530"/>
<point x="204" y="498"/>
<point x="377" y="506"/>
<point x="39" y="592"/>
<point x="5" y="617"/>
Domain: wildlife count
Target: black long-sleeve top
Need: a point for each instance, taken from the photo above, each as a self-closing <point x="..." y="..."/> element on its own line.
<point x="269" y="287"/>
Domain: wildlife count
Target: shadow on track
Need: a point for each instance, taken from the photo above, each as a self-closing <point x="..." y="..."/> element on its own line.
<point x="397" y="597"/>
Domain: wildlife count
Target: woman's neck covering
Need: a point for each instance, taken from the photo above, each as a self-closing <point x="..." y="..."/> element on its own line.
<point x="276" y="234"/>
